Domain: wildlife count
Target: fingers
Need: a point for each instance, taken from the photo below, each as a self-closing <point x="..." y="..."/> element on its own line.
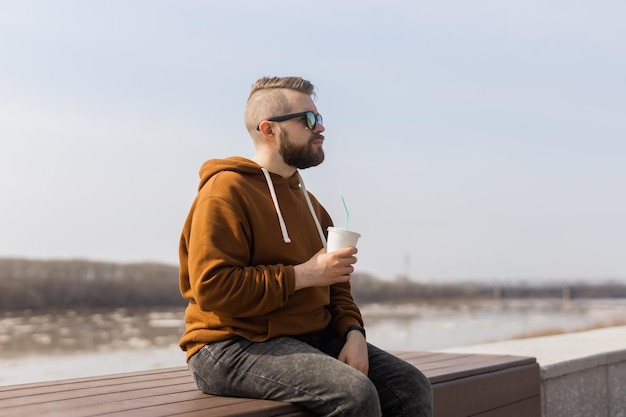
<point x="343" y="252"/>
<point x="329" y="268"/>
<point x="360" y="366"/>
<point x="344" y="257"/>
<point x="342" y="266"/>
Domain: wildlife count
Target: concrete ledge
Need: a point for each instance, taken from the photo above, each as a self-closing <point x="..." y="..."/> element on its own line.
<point x="583" y="374"/>
<point x="576" y="365"/>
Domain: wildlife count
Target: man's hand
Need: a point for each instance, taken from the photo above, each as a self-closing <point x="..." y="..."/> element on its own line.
<point x="326" y="268"/>
<point x="354" y="352"/>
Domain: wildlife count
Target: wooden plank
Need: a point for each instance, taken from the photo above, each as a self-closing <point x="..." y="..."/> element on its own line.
<point x="141" y="401"/>
<point x="190" y="403"/>
<point x="465" y="359"/>
<point x="441" y="369"/>
<point x="525" y="408"/>
<point x="93" y="404"/>
<point x="201" y="408"/>
<point x="141" y="374"/>
<point x="94" y="393"/>
<point x="30" y="390"/>
<point x="95" y="400"/>
<point x="480" y="393"/>
<point x="470" y="367"/>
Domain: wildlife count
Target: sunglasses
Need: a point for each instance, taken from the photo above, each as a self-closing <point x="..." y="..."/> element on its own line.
<point x="312" y="119"/>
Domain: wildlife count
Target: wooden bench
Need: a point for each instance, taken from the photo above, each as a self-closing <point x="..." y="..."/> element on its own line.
<point x="463" y="385"/>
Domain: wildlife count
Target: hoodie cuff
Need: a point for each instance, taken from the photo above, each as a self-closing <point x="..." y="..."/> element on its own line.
<point x="290" y="280"/>
<point x="358" y="328"/>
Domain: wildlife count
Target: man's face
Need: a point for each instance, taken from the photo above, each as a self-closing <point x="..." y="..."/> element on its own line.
<point x="299" y="146"/>
<point x="303" y="156"/>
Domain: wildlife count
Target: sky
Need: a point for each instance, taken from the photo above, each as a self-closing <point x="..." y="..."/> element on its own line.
<point x="474" y="141"/>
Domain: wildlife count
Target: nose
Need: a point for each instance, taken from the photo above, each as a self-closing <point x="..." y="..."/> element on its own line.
<point x="319" y="128"/>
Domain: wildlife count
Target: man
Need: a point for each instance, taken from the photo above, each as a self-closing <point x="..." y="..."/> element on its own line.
<point x="270" y="313"/>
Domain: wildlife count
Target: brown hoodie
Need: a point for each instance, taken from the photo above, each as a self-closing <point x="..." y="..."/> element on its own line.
<point x="245" y="231"/>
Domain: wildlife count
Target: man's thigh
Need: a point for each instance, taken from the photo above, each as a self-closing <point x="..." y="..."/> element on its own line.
<point x="282" y="369"/>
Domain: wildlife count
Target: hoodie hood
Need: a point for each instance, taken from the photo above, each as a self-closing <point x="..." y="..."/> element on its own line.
<point x="247" y="167"/>
<point x="234" y="163"/>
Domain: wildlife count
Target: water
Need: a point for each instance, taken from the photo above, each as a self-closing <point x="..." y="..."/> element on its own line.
<point x="69" y="344"/>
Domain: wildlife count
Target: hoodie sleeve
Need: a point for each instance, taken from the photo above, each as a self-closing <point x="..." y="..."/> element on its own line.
<point x="343" y="309"/>
<point x="218" y="252"/>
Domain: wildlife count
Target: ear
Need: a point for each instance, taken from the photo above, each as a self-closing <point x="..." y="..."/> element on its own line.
<point x="267" y="129"/>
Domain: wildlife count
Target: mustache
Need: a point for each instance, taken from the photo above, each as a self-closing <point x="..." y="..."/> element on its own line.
<point x="316" y="136"/>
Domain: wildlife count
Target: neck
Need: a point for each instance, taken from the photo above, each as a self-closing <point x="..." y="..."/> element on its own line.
<point x="274" y="164"/>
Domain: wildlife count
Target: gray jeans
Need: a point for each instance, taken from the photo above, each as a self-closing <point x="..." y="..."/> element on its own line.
<point x="305" y="371"/>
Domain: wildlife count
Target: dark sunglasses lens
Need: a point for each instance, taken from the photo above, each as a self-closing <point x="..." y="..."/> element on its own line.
<point x="313" y="119"/>
<point x="310" y="120"/>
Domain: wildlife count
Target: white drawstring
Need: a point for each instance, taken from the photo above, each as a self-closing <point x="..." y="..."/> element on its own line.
<point x="308" y="202"/>
<point x="270" y="185"/>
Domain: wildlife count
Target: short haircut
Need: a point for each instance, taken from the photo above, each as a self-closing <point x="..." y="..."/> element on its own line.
<point x="267" y="98"/>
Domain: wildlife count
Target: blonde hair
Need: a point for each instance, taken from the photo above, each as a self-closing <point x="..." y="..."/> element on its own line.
<point x="267" y="98"/>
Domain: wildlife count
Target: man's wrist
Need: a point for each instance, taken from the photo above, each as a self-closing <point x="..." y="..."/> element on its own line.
<point x="357" y="328"/>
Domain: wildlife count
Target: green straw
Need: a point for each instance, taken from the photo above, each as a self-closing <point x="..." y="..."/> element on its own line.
<point x="347" y="214"/>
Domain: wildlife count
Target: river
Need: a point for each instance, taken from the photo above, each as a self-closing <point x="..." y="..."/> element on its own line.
<point x="68" y="344"/>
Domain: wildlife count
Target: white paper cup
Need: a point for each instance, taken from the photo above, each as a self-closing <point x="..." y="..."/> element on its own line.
<point x="339" y="238"/>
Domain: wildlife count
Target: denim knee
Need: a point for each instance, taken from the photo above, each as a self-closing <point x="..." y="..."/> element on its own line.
<point x="403" y="389"/>
<point x="360" y="399"/>
<point x="420" y="398"/>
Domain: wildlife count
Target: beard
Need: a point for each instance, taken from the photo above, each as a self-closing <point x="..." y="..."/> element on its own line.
<point x="300" y="156"/>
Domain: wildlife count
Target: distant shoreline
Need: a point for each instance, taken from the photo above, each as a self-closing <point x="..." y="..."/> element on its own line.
<point x="45" y="285"/>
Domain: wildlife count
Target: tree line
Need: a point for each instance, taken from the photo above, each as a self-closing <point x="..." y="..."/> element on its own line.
<point x="63" y="284"/>
<point x="369" y="289"/>
<point x="27" y="284"/>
